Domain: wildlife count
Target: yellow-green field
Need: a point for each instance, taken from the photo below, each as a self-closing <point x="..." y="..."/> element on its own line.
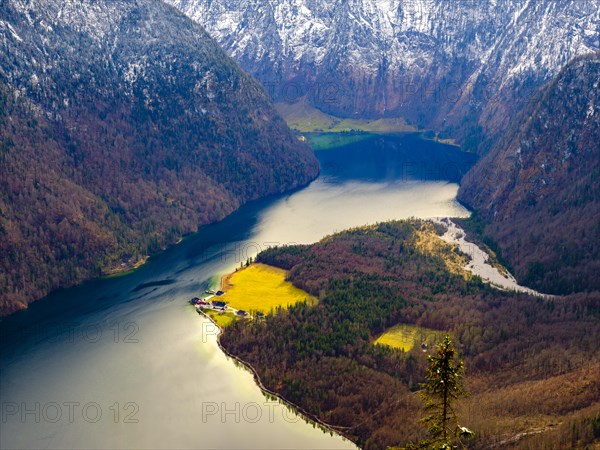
<point x="405" y="337"/>
<point x="222" y="319"/>
<point x="305" y="118"/>
<point x="262" y="288"/>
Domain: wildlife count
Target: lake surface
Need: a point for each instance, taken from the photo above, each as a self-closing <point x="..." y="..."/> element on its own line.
<point x="127" y="363"/>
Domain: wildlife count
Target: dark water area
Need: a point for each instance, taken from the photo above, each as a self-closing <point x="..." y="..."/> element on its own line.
<point x="395" y="157"/>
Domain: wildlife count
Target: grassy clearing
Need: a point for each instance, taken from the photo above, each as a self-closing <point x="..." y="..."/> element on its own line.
<point x="429" y="243"/>
<point x="387" y="125"/>
<point x="405" y="337"/>
<point x="262" y="288"/>
<point x="223" y="319"/>
<point x="300" y="116"/>
<point x="305" y="118"/>
<point x="324" y="131"/>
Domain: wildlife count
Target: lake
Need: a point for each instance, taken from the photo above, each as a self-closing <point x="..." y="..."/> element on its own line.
<point x="126" y="362"/>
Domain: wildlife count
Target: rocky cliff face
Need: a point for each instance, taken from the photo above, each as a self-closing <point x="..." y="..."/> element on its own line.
<point x="123" y="125"/>
<point x="461" y="66"/>
<point x="539" y="187"/>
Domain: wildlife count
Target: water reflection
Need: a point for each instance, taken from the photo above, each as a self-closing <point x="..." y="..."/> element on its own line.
<point x="126" y="363"/>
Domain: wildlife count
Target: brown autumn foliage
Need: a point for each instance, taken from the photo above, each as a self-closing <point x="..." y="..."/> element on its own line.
<point x="98" y="167"/>
<point x="538" y="190"/>
<point x="531" y="363"/>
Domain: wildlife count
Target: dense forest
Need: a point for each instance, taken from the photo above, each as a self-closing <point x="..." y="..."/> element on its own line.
<point x="123" y="126"/>
<point x="537" y="193"/>
<point x="531" y="363"/>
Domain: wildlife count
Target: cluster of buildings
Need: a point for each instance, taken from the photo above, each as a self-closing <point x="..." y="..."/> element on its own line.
<point x="217" y="305"/>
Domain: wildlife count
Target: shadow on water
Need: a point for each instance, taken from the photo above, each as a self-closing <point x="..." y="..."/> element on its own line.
<point x="65" y="307"/>
<point x="396" y="157"/>
<point x="153" y="284"/>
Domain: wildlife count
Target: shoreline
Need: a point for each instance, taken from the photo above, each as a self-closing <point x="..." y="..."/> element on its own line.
<point x="353" y="136"/>
<point x="123" y="271"/>
<point x="454" y="235"/>
<point x="309" y="417"/>
<point x="26" y="305"/>
<point x="110" y="273"/>
<point x="145" y="259"/>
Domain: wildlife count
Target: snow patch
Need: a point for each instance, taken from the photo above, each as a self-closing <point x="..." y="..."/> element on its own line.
<point x="12" y="30"/>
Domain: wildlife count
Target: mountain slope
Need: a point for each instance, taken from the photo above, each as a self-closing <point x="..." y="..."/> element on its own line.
<point x="123" y="126"/>
<point x="539" y="188"/>
<point x="461" y="66"/>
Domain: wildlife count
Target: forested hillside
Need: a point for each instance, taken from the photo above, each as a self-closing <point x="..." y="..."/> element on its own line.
<point x="531" y="363"/>
<point x="123" y="126"/>
<point x="538" y="190"/>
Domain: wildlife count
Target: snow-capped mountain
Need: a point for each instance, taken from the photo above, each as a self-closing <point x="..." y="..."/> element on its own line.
<point x="429" y="60"/>
<point x="123" y="125"/>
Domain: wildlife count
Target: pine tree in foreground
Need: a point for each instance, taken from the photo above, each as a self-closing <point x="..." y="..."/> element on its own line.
<point x="442" y="387"/>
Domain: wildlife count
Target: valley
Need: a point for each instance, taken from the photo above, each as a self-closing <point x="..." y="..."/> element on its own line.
<point x="305" y="118"/>
<point x="462" y="68"/>
<point x="348" y="183"/>
<point x="124" y="127"/>
<point x="163" y="347"/>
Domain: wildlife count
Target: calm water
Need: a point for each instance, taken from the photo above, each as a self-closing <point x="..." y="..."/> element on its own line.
<point x="127" y="363"/>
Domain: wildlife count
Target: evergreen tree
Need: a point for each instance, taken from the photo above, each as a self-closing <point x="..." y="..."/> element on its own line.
<point x="442" y="387"/>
